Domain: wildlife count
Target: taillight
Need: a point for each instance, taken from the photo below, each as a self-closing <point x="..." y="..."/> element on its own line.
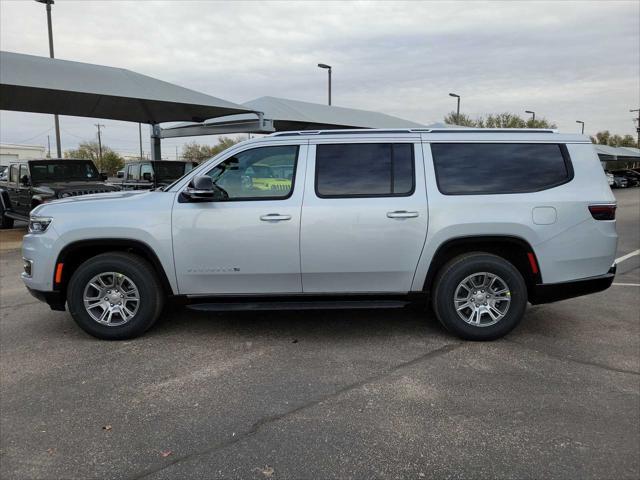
<point x="603" y="212"/>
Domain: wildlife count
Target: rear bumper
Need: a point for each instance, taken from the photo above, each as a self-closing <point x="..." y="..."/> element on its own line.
<point x="553" y="292"/>
<point x="55" y="299"/>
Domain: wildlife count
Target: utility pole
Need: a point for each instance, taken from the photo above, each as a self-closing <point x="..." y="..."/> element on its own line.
<point x="48" y="146"/>
<point x="637" y="120"/>
<point x="177" y="153"/>
<point x="56" y="121"/>
<point x="140" y="135"/>
<point x="99" y="142"/>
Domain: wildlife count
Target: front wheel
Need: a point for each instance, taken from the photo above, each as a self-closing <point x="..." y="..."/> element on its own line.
<point x="115" y="296"/>
<point x="479" y="296"/>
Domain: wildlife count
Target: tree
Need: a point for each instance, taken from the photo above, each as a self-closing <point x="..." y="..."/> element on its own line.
<point x="605" y="138"/>
<point x="498" y="120"/>
<point x="194" y="152"/>
<point x="110" y="162"/>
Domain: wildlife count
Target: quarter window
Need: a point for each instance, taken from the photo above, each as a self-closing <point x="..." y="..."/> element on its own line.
<point x="364" y="170"/>
<point x="265" y="173"/>
<point x="494" y="168"/>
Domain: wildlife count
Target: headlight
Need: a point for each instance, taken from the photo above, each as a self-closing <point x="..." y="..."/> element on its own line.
<point x="39" y="224"/>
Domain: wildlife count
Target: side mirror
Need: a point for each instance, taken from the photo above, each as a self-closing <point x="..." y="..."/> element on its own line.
<point x="146" y="176"/>
<point x="25" y="181"/>
<point x="202" y="189"/>
<point x="103" y="176"/>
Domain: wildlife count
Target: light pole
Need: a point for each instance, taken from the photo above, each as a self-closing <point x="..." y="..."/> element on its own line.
<point x="533" y="118"/>
<point x="328" y="68"/>
<point x="458" y="107"/>
<point x="638" y="125"/>
<point x="581" y="123"/>
<point x="48" y="3"/>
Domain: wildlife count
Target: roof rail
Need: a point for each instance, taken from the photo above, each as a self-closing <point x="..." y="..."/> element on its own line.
<point x="374" y="131"/>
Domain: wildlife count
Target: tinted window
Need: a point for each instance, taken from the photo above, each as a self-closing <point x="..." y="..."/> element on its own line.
<point x="488" y="168"/>
<point x="56" y="171"/>
<point x="259" y="173"/>
<point x="371" y="169"/>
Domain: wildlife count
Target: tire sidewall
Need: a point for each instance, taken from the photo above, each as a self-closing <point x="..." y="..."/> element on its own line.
<point x="150" y="299"/>
<point x="461" y="268"/>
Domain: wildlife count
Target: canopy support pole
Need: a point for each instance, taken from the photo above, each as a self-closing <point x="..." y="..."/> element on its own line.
<point x="156" y="148"/>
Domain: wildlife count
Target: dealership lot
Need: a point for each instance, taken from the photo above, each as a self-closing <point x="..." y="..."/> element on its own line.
<point x="335" y="394"/>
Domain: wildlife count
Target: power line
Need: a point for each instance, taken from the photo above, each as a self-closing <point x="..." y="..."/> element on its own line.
<point x="35" y="136"/>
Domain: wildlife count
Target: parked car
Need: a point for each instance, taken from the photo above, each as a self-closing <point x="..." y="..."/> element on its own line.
<point x="620" y="181"/>
<point x="633" y="177"/>
<point x="153" y="174"/>
<point x="610" y="179"/>
<point x="475" y="222"/>
<point x="34" y="182"/>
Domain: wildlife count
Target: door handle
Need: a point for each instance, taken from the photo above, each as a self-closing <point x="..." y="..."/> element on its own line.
<point x="402" y="214"/>
<point x="274" y="217"/>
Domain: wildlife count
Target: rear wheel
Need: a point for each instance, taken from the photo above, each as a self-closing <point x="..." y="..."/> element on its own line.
<point x="115" y="296"/>
<point x="5" y="222"/>
<point x="479" y="296"/>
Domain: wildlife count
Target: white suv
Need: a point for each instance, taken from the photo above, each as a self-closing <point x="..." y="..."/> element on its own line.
<point x="476" y="222"/>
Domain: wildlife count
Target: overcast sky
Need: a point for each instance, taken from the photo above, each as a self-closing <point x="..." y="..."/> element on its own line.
<point x="567" y="61"/>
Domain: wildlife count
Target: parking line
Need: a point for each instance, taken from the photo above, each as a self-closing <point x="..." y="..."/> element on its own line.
<point x="626" y="284"/>
<point x="627" y="256"/>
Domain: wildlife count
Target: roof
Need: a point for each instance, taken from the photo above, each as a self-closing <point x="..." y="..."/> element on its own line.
<point x="43" y="85"/>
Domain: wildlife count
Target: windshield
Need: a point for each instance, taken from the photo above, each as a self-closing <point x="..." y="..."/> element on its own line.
<point x="64" y="170"/>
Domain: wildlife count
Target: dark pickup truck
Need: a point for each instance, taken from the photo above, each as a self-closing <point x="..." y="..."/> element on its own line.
<point x="27" y="184"/>
<point x="153" y="174"/>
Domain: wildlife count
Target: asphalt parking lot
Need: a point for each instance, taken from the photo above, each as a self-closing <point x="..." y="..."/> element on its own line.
<point x="336" y="394"/>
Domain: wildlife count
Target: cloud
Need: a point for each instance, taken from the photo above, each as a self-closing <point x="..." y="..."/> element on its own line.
<point x="565" y="60"/>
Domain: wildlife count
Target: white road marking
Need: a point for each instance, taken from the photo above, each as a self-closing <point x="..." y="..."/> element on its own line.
<point x="628" y="256"/>
<point x="627" y="284"/>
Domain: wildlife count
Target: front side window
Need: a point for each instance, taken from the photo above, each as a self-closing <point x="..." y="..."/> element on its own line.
<point x="13" y="173"/>
<point x="133" y="173"/>
<point x="364" y="170"/>
<point x="494" y="168"/>
<point x="257" y="174"/>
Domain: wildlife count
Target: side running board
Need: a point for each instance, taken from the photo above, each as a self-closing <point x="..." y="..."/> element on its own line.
<point x="297" y="305"/>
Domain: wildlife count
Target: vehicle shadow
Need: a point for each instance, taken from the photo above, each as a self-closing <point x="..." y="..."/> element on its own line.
<point x="298" y="325"/>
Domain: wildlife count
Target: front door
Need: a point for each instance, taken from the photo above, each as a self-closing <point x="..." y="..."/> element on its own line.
<point x="24" y="191"/>
<point x="364" y="217"/>
<point x="249" y="243"/>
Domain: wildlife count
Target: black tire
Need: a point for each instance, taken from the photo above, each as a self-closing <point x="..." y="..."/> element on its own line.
<point x="461" y="267"/>
<point x="142" y="275"/>
<point x="5" y="222"/>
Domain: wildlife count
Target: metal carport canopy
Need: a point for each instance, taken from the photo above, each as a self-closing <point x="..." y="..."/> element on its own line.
<point x="282" y="114"/>
<point x="43" y="85"/>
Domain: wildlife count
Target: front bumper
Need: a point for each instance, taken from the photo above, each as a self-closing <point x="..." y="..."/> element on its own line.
<point x="54" y="299"/>
<point x="553" y="292"/>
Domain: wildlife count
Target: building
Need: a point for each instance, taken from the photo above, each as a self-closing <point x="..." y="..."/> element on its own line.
<point x="11" y="151"/>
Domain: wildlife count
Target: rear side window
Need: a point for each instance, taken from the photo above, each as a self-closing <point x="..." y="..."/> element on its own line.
<point x="364" y="170"/>
<point x="493" y="168"/>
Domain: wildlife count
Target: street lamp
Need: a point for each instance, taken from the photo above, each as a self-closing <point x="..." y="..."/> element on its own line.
<point x="458" y="108"/>
<point x="533" y="119"/>
<point x="582" y="123"/>
<point x="328" y="68"/>
<point x="48" y="3"/>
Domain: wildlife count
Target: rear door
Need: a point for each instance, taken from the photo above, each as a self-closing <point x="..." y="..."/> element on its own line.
<point x="364" y="217"/>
